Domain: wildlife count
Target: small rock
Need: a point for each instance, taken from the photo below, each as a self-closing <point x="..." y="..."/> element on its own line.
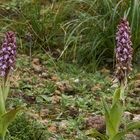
<point x="73" y="111"/>
<point x="63" y="125"/>
<point x="97" y="122"/>
<point x="45" y="75"/>
<point x="128" y="116"/>
<point x="30" y="99"/>
<point x="131" y="137"/>
<point x="76" y="81"/>
<point x="137" y="132"/>
<point x="136" y="118"/>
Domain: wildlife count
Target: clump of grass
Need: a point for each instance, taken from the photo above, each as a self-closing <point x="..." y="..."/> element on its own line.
<point x="25" y="129"/>
<point x="35" y="19"/>
<point x="89" y="36"/>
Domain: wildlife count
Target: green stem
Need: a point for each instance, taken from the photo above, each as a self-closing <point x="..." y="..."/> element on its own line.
<point x="2" y="103"/>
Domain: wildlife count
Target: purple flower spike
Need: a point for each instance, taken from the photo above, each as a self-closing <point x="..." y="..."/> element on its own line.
<point x="123" y="51"/>
<point x="8" y="54"/>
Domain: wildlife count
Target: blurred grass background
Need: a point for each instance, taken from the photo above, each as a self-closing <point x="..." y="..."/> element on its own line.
<point x="79" y="31"/>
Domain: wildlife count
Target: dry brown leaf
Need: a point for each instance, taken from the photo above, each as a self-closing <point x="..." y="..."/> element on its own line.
<point x="57" y="92"/>
<point x="96" y="87"/>
<point x="55" y="78"/>
<point x="43" y="113"/>
<point x="105" y="71"/>
<point x="44" y="122"/>
<point x="52" y="128"/>
<point x="14" y="79"/>
<point x="56" y="99"/>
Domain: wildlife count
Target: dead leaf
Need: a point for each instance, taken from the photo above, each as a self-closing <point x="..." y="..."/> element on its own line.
<point x="36" y="61"/>
<point x="56" y="99"/>
<point x="37" y="68"/>
<point x="63" y="125"/>
<point x="64" y="86"/>
<point x="32" y="114"/>
<point x="14" y="79"/>
<point x="36" y="65"/>
<point x="57" y="92"/>
<point x="43" y="113"/>
<point x="96" y="87"/>
<point x="55" y="78"/>
<point x="105" y="71"/>
<point x="52" y="128"/>
<point x="44" y="121"/>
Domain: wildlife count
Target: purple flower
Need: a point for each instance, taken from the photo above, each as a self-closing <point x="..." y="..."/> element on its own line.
<point x="2" y="73"/>
<point x="8" y="54"/>
<point x="123" y="51"/>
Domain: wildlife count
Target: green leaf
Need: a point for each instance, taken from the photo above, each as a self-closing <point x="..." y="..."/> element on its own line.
<point x="116" y="96"/>
<point x="46" y="98"/>
<point x="119" y="135"/>
<point x="129" y="127"/>
<point x="94" y="133"/>
<point x="105" y="105"/>
<point x="116" y="113"/>
<point x="132" y="125"/>
<point x="7" y="118"/>
<point x="109" y="126"/>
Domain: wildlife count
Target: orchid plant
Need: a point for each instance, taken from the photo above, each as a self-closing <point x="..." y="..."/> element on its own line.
<point x="7" y="61"/>
<point x="114" y="113"/>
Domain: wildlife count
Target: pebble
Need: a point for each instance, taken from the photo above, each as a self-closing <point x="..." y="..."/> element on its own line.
<point x="131" y="137"/>
<point x="136" y="118"/>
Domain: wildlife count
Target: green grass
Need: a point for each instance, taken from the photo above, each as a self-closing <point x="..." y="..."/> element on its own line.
<point x="81" y="31"/>
<point x="24" y="129"/>
<point x="90" y="35"/>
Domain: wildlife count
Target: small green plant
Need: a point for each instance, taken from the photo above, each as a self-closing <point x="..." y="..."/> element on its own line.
<point x="7" y="61"/>
<point x="114" y="114"/>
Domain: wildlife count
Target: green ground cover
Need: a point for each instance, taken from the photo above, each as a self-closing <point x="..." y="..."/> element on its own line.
<point x="60" y="98"/>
